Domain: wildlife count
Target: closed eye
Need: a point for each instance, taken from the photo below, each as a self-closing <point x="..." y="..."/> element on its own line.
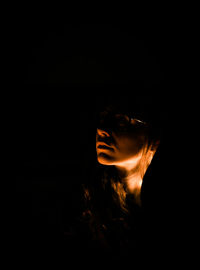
<point x="122" y="119"/>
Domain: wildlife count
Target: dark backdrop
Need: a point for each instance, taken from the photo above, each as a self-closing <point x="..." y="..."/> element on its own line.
<point x="62" y="73"/>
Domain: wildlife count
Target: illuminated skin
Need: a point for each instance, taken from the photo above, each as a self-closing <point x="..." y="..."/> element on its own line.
<point x="127" y="150"/>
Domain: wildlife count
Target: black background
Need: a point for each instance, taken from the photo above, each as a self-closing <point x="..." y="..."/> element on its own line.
<point x="62" y="72"/>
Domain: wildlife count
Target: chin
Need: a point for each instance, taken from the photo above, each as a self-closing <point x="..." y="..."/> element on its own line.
<point x="104" y="159"/>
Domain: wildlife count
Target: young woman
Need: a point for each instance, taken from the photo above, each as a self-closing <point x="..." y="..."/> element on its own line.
<point x="117" y="211"/>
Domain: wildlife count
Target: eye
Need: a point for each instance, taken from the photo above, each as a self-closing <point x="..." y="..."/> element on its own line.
<point x="132" y="120"/>
<point x="122" y="119"/>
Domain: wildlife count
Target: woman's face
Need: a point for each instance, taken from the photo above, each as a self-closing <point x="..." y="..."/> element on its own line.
<point x="119" y="139"/>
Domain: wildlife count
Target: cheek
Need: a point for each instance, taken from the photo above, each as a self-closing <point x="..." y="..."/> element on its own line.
<point x="130" y="146"/>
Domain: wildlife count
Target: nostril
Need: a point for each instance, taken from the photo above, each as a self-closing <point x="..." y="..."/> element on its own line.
<point x="102" y="132"/>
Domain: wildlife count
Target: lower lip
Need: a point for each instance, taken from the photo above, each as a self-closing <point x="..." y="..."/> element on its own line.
<point x="104" y="147"/>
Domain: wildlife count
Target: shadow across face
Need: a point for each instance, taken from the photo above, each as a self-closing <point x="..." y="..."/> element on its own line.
<point x="119" y="137"/>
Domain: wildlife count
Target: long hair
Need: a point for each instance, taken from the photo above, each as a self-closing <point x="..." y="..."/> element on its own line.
<point x="105" y="190"/>
<point x="110" y="215"/>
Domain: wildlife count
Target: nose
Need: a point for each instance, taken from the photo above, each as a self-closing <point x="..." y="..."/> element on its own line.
<point x="102" y="133"/>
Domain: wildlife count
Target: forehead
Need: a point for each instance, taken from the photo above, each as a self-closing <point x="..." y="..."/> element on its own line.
<point x="113" y="109"/>
<point x="117" y="112"/>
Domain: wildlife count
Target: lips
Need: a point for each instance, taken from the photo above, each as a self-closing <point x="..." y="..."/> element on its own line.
<point x="103" y="145"/>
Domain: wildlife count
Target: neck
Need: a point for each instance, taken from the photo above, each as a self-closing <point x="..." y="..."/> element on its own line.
<point x="133" y="179"/>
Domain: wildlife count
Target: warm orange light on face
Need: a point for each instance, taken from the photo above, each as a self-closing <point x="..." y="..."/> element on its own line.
<point x="115" y="147"/>
<point x="126" y="147"/>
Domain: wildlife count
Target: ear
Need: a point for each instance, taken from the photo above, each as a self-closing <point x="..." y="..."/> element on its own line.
<point x="154" y="146"/>
<point x="151" y="152"/>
